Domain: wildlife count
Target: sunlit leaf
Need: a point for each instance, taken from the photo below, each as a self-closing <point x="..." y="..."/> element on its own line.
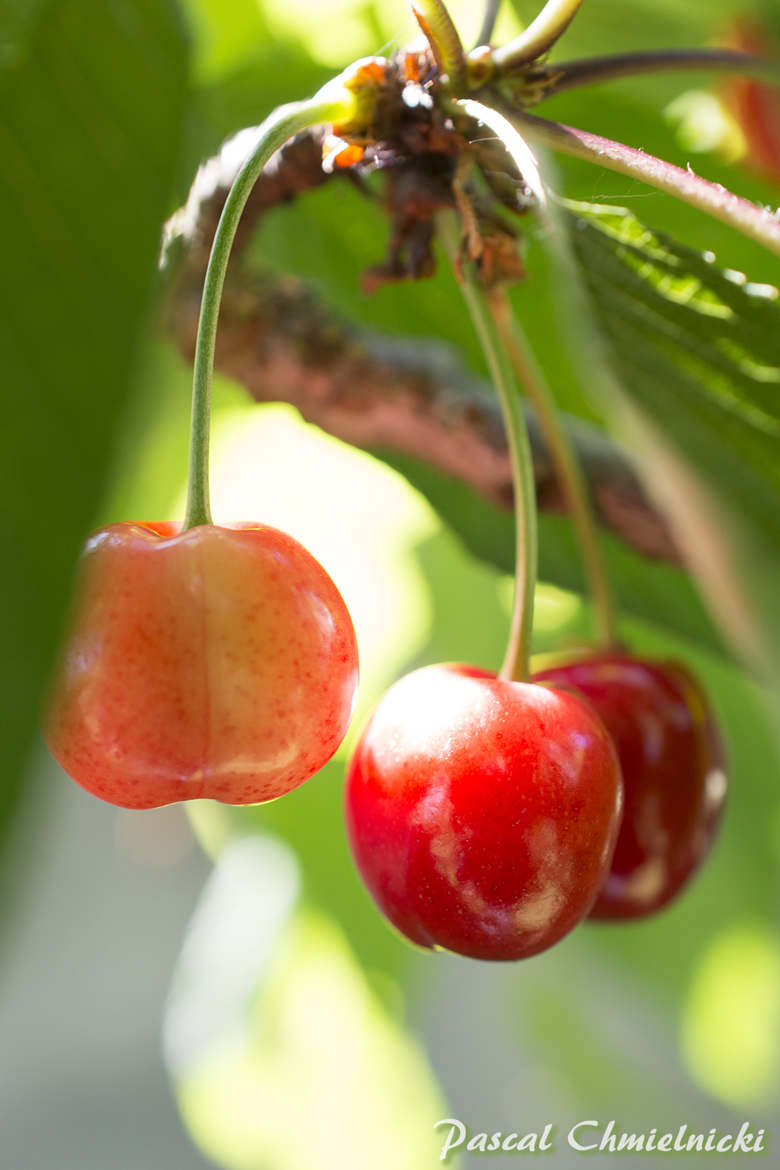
<point x="697" y="353"/>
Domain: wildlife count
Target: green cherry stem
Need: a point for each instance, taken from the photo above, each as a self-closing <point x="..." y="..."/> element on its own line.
<point x="518" y="651"/>
<point x="541" y="34"/>
<point x="333" y="103"/>
<point x="566" y="75"/>
<point x="565" y="462"/>
<point x="488" y="22"/>
<point x="439" y="28"/>
<point x="515" y="344"/>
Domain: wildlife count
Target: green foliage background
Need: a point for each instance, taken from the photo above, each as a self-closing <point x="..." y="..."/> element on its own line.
<point x="105" y="112"/>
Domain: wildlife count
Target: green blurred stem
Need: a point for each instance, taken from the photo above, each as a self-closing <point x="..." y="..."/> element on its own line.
<point x="573" y="74"/>
<point x="488" y="22"/>
<point x="439" y="28"/>
<point x="334" y="103"/>
<point x="541" y="34"/>
<point x="512" y="342"/>
<point x="518" y="651"/>
<point x="565" y="462"/>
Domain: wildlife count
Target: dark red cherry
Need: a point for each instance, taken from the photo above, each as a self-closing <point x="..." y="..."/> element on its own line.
<point x="673" y="769"/>
<point x="482" y="814"/>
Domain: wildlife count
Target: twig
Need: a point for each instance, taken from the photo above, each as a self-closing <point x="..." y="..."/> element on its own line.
<point x="573" y="74"/>
<point x="488" y="22"/>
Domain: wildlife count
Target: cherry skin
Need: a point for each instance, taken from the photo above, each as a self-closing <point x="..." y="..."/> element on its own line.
<point x="216" y="662"/>
<point x="482" y="814"/>
<point x="673" y="769"/>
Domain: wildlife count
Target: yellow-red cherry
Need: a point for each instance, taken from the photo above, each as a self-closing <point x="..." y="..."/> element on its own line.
<point x="674" y="774"/>
<point x="213" y="662"/>
<point x="482" y="813"/>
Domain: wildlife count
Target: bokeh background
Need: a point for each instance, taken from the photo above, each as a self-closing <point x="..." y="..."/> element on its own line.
<point x="212" y="986"/>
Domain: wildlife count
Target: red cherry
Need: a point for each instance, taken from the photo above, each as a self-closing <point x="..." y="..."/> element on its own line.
<point x="754" y="104"/>
<point x="217" y="662"/>
<point x="482" y="814"/>
<point x="673" y="765"/>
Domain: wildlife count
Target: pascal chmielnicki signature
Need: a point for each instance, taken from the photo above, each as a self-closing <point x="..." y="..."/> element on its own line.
<point x="587" y="1136"/>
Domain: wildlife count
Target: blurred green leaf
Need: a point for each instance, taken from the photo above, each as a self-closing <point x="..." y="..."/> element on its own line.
<point x="283" y="1057"/>
<point x="16" y="20"/>
<point x="225" y="32"/>
<point x="311" y="820"/>
<point x="735" y="1053"/>
<point x="91" y="111"/>
<point x="652" y="590"/>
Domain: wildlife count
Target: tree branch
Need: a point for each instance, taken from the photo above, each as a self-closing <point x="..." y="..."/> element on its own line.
<point x="573" y="74"/>
<point x="410" y="397"/>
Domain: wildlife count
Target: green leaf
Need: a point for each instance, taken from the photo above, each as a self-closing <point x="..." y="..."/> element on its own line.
<point x="91" y="111"/>
<point x="697" y="352"/>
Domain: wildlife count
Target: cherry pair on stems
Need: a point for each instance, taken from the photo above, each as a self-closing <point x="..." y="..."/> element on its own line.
<point x="489" y="817"/>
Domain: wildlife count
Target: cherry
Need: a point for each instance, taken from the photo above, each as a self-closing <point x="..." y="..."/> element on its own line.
<point x="672" y="761"/>
<point x="482" y="813"/>
<point x="213" y="662"/>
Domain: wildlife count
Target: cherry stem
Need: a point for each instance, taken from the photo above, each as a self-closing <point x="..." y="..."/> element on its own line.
<point x="333" y="103"/>
<point x="541" y="34"/>
<point x="566" y="463"/>
<point x="518" y="652"/>
<point x="512" y="342"/>
<point x="748" y="218"/>
<point x="488" y="22"/>
<point x="443" y="37"/>
<point x="573" y="74"/>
